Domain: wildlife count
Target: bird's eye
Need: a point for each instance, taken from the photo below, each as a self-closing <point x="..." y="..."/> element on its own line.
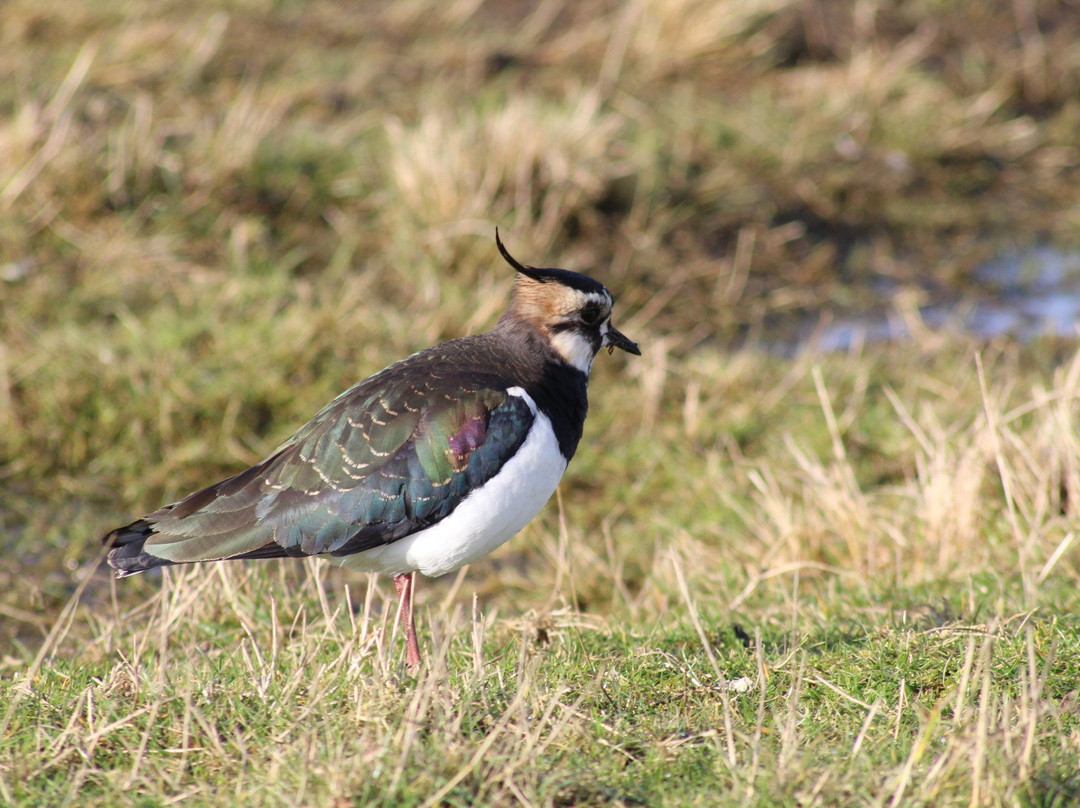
<point x="592" y="315"/>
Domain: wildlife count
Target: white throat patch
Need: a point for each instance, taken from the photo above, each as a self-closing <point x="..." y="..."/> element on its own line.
<point x="575" y="349"/>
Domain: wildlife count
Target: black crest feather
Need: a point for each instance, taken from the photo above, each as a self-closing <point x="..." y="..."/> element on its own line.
<point x="575" y="280"/>
<point x="509" y="258"/>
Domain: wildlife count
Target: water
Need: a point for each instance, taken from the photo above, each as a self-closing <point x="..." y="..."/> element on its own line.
<point x="1024" y="294"/>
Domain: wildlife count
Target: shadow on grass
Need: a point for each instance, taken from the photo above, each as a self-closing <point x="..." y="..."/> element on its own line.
<point x="1051" y="788"/>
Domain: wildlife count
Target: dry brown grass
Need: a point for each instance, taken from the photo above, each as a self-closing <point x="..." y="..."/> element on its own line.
<point x="214" y="219"/>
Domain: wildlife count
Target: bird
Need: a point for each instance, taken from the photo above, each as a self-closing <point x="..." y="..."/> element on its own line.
<point x="425" y="466"/>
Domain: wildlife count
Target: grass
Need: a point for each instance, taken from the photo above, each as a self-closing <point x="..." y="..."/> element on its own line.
<point x="817" y="580"/>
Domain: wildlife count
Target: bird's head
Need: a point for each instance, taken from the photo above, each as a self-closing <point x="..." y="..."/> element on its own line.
<point x="571" y="310"/>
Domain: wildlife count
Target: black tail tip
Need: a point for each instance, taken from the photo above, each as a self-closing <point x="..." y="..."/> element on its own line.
<point x="126" y="563"/>
<point x="127" y="556"/>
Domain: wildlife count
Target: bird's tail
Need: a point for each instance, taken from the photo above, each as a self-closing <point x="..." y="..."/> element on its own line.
<point x="127" y="555"/>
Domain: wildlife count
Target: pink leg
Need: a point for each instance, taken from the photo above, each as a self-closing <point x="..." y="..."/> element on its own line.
<point x="404" y="585"/>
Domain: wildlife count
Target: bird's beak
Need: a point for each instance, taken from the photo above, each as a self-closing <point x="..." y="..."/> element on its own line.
<point x="616" y="339"/>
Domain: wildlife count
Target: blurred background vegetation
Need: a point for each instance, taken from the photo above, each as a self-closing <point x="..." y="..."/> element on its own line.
<point x="216" y="216"/>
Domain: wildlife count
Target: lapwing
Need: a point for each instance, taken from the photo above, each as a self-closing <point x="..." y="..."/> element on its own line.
<point x="424" y="467"/>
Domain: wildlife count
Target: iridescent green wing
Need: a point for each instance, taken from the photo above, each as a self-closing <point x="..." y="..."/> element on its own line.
<point x="387" y="458"/>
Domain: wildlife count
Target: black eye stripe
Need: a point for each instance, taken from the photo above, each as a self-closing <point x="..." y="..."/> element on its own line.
<point x="565" y="325"/>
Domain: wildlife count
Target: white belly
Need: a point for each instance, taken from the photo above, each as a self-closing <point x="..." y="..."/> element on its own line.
<point x="485" y="519"/>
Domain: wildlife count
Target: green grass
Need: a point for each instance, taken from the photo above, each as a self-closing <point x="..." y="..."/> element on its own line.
<point x="216" y="688"/>
<point x="825" y="580"/>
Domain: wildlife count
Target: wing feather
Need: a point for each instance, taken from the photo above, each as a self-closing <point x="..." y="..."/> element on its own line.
<point x="381" y="461"/>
